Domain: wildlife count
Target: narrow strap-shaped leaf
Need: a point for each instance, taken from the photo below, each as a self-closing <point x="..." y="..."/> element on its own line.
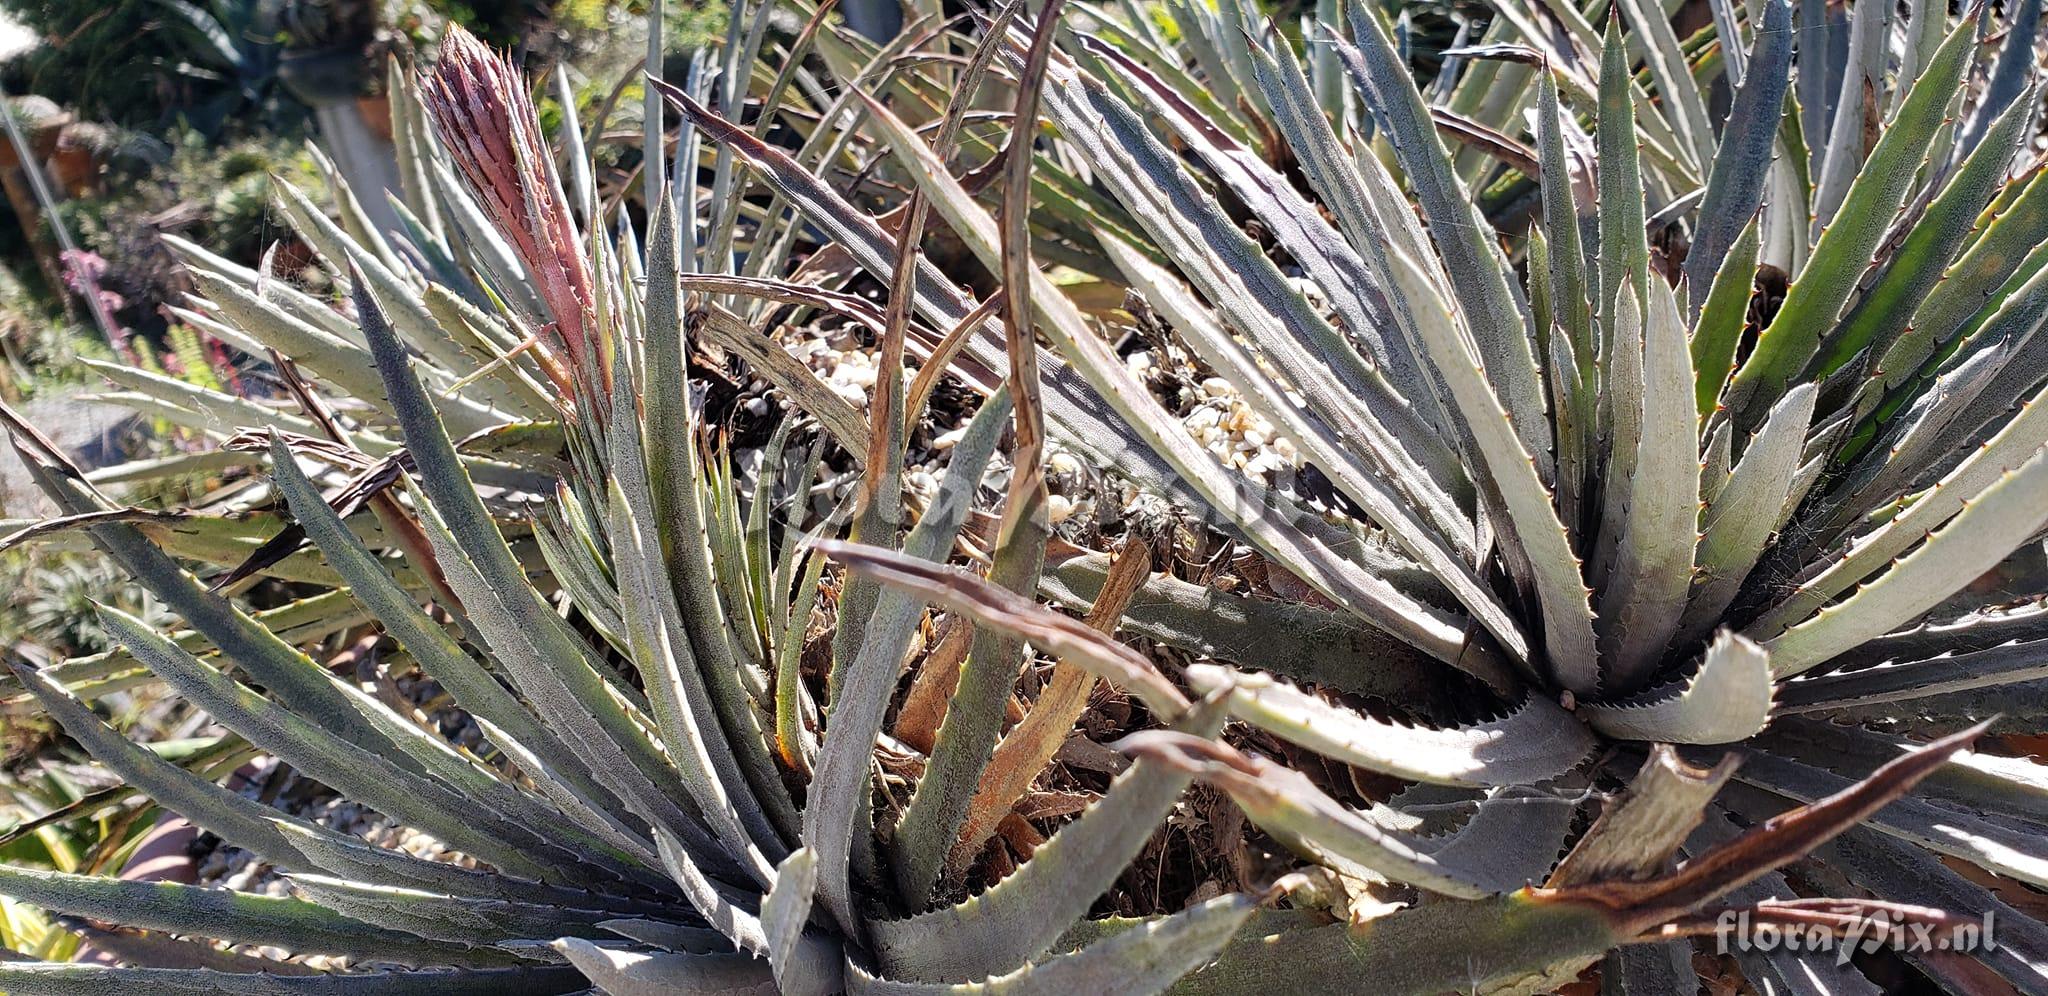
<point x="1284" y="803"/>
<point x="1297" y="545"/>
<point x="2020" y="439"/>
<point x="548" y="663"/>
<point x="1929" y="432"/>
<point x="803" y="964"/>
<point x="655" y="973"/>
<point x="993" y="605"/>
<point x="1624" y="250"/>
<point x="2008" y="351"/>
<point x="1861" y="87"/>
<point x="2011" y="76"/>
<point x="1446" y="558"/>
<point x="452" y="919"/>
<point x="1812" y="44"/>
<point x="1621" y="415"/>
<point x="614" y="829"/>
<point x="975" y="712"/>
<point x="372" y="277"/>
<point x="1026" y="748"/>
<point x="302" y="305"/>
<point x="283" y="841"/>
<point x="1900" y="872"/>
<point x="1513" y="943"/>
<point x="1923" y="257"/>
<point x="1578" y="415"/>
<point x="239" y="917"/>
<point x="465" y="823"/>
<point x="1524" y="506"/>
<point x="281" y="668"/>
<point x="784" y="911"/>
<point x="794" y="743"/>
<point x="1716" y="456"/>
<point x="1020" y="917"/>
<point x="473" y="688"/>
<point x="1080" y="415"/>
<point x="1726" y="700"/>
<point x="2001" y="258"/>
<point x="1926" y="24"/>
<point x="716" y="903"/>
<point x="1333" y="175"/>
<point x="1738" y="521"/>
<point x="2013" y="790"/>
<point x="1972" y="542"/>
<point x="216" y="411"/>
<point x="1735" y="184"/>
<point x="486" y="249"/>
<point x="674" y="937"/>
<point x="581" y="727"/>
<point x="1980" y="629"/>
<point x="830" y="820"/>
<point x="1847" y="246"/>
<point x="676" y="696"/>
<point x="1140" y="961"/>
<point x="1297" y="640"/>
<point x="1362" y="410"/>
<point x="1534" y="741"/>
<point x="2011" y="342"/>
<point x="672" y="472"/>
<point x="1907" y="680"/>
<point x="468" y="324"/>
<point x="303" y="621"/>
<point x="1991" y="846"/>
<point x="347" y="365"/>
<point x="710" y="758"/>
<point x="1575" y="388"/>
<point x="1358" y="297"/>
<point x="1489" y="299"/>
<point x="577" y="567"/>
<point x="1645" y="593"/>
<point x="352" y="213"/>
<point x="56" y="979"/>
<point x="1722" y="317"/>
<point x="1684" y="101"/>
<point x="344" y="856"/>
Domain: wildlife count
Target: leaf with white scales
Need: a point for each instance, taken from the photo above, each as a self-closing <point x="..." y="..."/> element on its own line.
<point x="1725" y="700"/>
<point x="1535" y="740"/>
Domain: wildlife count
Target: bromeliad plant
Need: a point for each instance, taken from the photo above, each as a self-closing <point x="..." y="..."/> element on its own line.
<point x="1639" y="513"/>
<point x="1540" y="514"/>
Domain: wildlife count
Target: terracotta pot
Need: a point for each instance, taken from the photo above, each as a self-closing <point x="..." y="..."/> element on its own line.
<point x="75" y="168"/>
<point x="376" y="111"/>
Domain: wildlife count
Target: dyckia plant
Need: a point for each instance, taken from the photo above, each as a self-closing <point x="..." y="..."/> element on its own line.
<point x="1581" y="494"/>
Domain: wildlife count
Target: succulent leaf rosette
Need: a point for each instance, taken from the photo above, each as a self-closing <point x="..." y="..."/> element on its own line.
<point x="1666" y="460"/>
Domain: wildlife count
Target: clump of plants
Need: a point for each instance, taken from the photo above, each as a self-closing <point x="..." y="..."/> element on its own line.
<point x="1656" y="451"/>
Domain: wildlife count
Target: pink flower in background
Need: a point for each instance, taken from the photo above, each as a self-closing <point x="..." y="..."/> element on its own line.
<point x="84" y="273"/>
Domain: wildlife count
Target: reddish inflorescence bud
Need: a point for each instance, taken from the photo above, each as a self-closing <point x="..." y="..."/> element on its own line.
<point x="480" y="108"/>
